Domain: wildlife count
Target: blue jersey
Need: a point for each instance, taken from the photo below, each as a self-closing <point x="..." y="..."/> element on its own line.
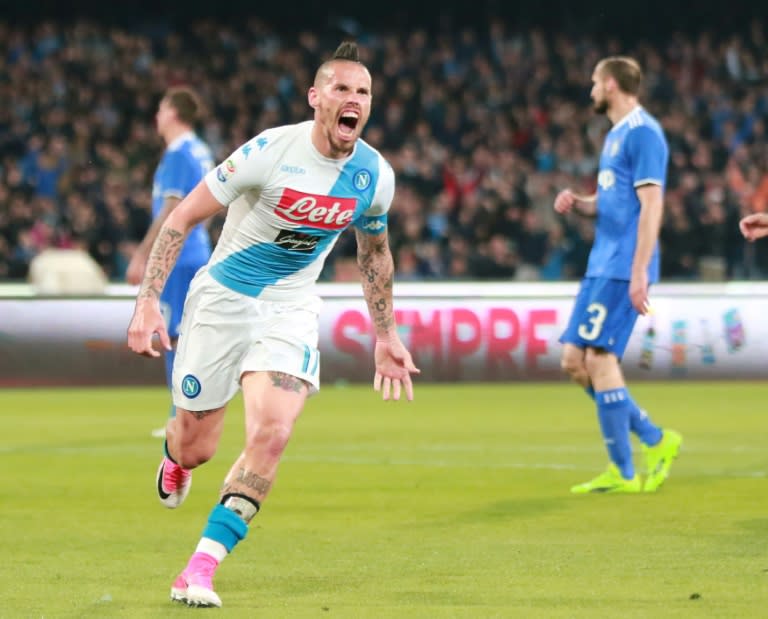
<point x="184" y="164"/>
<point x="635" y="153"/>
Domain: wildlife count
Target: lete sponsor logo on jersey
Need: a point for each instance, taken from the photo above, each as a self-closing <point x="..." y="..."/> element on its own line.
<point x="316" y="211"/>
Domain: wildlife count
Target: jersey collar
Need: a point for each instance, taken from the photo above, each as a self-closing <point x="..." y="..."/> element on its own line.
<point x="626" y="116"/>
<point x="181" y="139"/>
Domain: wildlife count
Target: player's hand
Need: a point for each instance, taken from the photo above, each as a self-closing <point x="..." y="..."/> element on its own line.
<point x="394" y="367"/>
<point x="135" y="271"/>
<point x="638" y="292"/>
<point x="754" y="226"/>
<point x="147" y="320"/>
<point x="564" y="201"/>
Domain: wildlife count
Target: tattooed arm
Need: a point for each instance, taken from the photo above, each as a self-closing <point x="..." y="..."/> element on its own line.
<point x="147" y="319"/>
<point x="377" y="272"/>
<point x="138" y="262"/>
<point x="394" y="365"/>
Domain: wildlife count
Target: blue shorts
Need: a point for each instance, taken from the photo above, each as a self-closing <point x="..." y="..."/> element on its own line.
<point x="602" y="316"/>
<point x="174" y="294"/>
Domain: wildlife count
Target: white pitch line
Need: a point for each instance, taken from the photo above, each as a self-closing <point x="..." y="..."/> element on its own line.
<point x="555" y="466"/>
<point x="427" y="463"/>
<point x="712" y="448"/>
<point x="344" y="454"/>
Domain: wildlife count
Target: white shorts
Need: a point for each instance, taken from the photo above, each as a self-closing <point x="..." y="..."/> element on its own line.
<point x="224" y="334"/>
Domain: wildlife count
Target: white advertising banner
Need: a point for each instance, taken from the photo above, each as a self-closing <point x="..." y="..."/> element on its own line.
<point x="456" y="332"/>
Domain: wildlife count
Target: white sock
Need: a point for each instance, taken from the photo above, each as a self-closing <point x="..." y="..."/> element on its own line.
<point x="211" y="547"/>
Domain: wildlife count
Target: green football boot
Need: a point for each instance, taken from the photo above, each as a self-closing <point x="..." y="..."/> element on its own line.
<point x="659" y="458"/>
<point x="609" y="481"/>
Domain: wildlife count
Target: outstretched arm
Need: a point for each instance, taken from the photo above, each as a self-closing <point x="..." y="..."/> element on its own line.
<point x="394" y="365"/>
<point x="147" y="319"/>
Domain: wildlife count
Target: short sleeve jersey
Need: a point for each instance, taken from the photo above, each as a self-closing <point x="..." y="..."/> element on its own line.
<point x="184" y="164"/>
<point x="288" y="204"/>
<point x="635" y="153"/>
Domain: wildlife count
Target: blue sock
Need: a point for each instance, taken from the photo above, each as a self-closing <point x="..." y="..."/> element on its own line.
<point x="639" y="422"/>
<point x="169" y="357"/>
<point x="613" y="411"/>
<point x="225" y="526"/>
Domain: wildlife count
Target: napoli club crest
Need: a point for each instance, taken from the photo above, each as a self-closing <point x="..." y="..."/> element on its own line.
<point x="361" y="180"/>
<point x="190" y="386"/>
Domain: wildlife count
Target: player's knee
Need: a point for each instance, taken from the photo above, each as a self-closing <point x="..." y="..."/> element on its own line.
<point x="573" y="365"/>
<point x="599" y="362"/>
<point x="270" y="438"/>
<point x="191" y="456"/>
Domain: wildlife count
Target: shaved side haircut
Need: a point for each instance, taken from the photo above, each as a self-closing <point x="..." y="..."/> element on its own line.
<point x="346" y="51"/>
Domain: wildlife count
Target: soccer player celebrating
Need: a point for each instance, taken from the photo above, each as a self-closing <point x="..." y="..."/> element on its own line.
<point x="251" y="318"/>
<point x="185" y="162"/>
<point x="623" y="262"/>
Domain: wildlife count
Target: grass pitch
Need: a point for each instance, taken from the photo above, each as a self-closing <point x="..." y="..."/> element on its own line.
<point x="455" y="505"/>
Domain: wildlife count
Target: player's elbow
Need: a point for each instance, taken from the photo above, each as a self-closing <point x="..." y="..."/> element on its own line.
<point x="183" y="218"/>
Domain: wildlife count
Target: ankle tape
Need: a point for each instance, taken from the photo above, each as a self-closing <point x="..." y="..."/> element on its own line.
<point x="244" y="506"/>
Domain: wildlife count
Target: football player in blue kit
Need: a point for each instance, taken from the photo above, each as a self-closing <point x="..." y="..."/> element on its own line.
<point x="185" y="162"/>
<point x="623" y="263"/>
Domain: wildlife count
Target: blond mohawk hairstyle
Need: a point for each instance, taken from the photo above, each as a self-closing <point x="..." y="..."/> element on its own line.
<point x="347" y="51"/>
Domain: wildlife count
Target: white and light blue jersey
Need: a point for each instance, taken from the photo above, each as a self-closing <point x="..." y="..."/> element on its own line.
<point x="635" y="153"/>
<point x="184" y="164"/>
<point x="288" y="204"/>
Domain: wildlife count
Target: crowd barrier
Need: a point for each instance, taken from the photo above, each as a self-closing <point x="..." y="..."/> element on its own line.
<point x="456" y="332"/>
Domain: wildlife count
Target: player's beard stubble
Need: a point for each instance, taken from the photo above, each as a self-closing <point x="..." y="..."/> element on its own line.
<point x="601" y="107"/>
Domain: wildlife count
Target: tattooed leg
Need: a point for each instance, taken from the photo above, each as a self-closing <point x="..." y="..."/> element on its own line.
<point x="273" y="401"/>
<point x="287" y="382"/>
<point x="200" y="415"/>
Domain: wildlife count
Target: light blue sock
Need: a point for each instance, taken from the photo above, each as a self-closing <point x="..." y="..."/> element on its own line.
<point x="225" y="526"/>
<point x="590" y="390"/>
<point x="613" y="411"/>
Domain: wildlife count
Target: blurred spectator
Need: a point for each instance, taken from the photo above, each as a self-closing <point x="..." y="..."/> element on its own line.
<point x="495" y="260"/>
<point x="679" y="260"/>
<point x="480" y="124"/>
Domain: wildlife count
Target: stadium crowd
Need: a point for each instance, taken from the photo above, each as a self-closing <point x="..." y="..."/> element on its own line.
<point x="482" y="125"/>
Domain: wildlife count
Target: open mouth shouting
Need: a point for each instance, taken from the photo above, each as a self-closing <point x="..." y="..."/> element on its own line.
<point x="347" y="125"/>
